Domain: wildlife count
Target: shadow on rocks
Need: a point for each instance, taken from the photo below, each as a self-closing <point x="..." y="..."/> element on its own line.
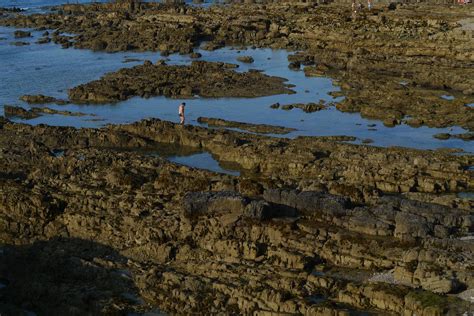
<point x="66" y="277"/>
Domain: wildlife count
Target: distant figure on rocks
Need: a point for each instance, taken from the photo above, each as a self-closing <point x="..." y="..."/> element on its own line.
<point x="355" y="8"/>
<point x="181" y="113"/>
<point x="369" y="4"/>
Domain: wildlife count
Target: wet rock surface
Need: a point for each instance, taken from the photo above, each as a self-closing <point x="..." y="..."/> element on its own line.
<point x="306" y="107"/>
<point x="205" y="79"/>
<point x="464" y="136"/>
<point x="41" y="99"/>
<point x="21" y="34"/>
<point x="195" y="241"/>
<point x="246" y="59"/>
<point x="34" y="112"/>
<point x="256" y="128"/>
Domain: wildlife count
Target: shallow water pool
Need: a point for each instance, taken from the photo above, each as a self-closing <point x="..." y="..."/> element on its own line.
<point x="50" y="70"/>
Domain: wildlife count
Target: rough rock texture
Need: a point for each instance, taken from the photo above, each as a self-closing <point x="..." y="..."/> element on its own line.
<point x="21" y="34"/>
<point x="34" y="112"/>
<point x="16" y="111"/>
<point x="129" y="232"/>
<point x="256" y="128"/>
<point x="245" y="59"/>
<point x="41" y="99"/>
<point x="201" y="78"/>
<point x="306" y="107"/>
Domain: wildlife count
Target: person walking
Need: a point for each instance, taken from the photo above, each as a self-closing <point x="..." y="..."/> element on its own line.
<point x="355" y="7"/>
<point x="181" y="113"/>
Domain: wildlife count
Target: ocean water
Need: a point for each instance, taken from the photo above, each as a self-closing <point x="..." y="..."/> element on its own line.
<point x="38" y="6"/>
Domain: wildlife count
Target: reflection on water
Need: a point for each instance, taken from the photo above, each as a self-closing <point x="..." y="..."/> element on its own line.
<point x="447" y="97"/>
<point x="50" y="70"/>
<point x="188" y="156"/>
<point x="202" y="161"/>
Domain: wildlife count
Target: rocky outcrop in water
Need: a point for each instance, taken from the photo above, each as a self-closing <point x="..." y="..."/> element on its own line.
<point x="205" y="79"/>
<point x="465" y="136"/>
<point x="34" y="112"/>
<point x="21" y="34"/>
<point x="256" y="128"/>
<point x="306" y="107"/>
<point x="41" y="99"/>
<point x="16" y="111"/>
<point x="245" y="59"/>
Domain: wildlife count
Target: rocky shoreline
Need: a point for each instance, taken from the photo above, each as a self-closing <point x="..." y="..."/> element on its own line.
<point x="244" y="244"/>
<point x="90" y="224"/>
<point x="427" y="49"/>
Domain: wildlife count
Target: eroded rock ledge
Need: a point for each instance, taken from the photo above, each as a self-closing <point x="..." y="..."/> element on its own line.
<point x="34" y="112"/>
<point x="205" y="79"/>
<point x="256" y="128"/>
<point x="192" y="241"/>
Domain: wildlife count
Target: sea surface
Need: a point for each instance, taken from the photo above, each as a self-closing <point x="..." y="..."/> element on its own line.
<point x="35" y="6"/>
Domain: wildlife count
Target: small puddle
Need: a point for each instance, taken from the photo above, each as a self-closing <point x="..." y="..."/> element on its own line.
<point x="3" y="283"/>
<point x="203" y="161"/>
<point x="189" y="156"/>
<point x="315" y="299"/>
<point x="447" y="97"/>
<point x="58" y="153"/>
<point x="467" y="238"/>
<point x="466" y="195"/>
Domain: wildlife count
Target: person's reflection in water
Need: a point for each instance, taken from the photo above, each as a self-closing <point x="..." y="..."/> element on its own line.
<point x="181" y="113"/>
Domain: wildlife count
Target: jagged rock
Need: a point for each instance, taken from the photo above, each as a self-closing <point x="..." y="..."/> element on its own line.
<point x="40" y="99"/>
<point x="257" y="128"/>
<point x="22" y="34"/>
<point x="34" y="112"/>
<point x="20" y="43"/>
<point x="308" y="107"/>
<point x="203" y="203"/>
<point x="295" y="65"/>
<point x="245" y="59"/>
<point x="177" y="81"/>
<point x="180" y="229"/>
<point x="16" y="111"/>
<point x="195" y="55"/>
